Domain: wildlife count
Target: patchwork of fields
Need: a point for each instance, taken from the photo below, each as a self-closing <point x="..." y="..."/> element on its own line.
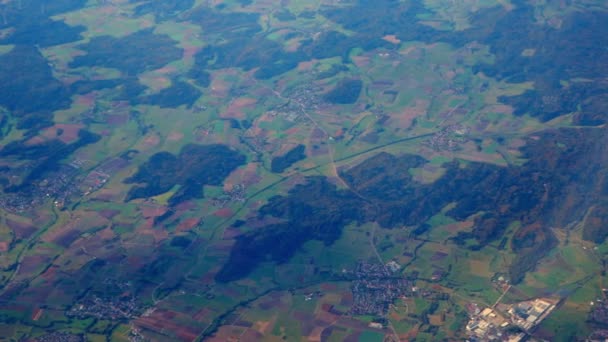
<point x="318" y="170"/>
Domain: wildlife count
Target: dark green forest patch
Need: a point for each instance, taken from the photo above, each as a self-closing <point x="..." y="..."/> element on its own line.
<point x="281" y="163"/>
<point x="44" y="33"/>
<point x="313" y="211"/>
<point x="28" y="88"/>
<point x="194" y="167"/>
<point x="248" y="53"/>
<point x="45" y="158"/>
<point x="132" y="54"/>
<point x="575" y="50"/>
<point x="347" y="91"/>
<point x="551" y="189"/>
<point x="32" y="23"/>
<point x="594" y="228"/>
<point x="373" y="20"/>
<point x="162" y="9"/>
<point x="178" y="94"/>
<point x="231" y="25"/>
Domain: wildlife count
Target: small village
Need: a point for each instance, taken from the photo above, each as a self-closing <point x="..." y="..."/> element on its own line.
<point x="376" y="287"/>
<point x="299" y="101"/>
<point x="105" y="308"/>
<point x="60" y="336"/>
<point x="449" y="138"/>
<point x="114" y="303"/>
<point x="236" y="194"/>
<point x="56" y="186"/>
<point x="67" y="183"/>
